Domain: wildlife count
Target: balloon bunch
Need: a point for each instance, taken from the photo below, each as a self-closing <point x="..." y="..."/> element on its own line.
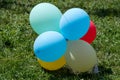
<point x="63" y="38"/>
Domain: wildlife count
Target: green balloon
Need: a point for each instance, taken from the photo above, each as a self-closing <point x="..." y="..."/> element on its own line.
<point x="45" y="17"/>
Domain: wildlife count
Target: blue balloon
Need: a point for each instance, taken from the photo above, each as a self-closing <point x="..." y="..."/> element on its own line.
<point x="50" y="46"/>
<point x="74" y="24"/>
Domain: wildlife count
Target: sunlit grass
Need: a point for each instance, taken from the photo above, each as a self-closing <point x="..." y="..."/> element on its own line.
<point x="17" y="61"/>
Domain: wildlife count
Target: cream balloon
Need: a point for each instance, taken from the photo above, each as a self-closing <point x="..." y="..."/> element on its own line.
<point x="80" y="56"/>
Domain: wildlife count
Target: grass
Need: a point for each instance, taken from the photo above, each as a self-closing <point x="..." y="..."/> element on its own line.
<point x="17" y="61"/>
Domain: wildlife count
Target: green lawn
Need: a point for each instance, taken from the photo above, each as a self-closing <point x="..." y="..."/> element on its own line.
<point x="17" y="60"/>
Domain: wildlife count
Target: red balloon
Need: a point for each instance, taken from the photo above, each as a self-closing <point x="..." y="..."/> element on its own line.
<point x="91" y="34"/>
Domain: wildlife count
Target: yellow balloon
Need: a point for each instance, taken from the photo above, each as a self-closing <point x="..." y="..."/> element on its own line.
<point x="80" y="56"/>
<point x="53" y="65"/>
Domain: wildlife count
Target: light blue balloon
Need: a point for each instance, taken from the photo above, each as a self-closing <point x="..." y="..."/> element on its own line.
<point x="50" y="46"/>
<point x="45" y="17"/>
<point x="74" y="24"/>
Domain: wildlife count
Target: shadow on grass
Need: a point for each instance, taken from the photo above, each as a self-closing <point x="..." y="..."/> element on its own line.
<point x="66" y="74"/>
<point x="106" y="12"/>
